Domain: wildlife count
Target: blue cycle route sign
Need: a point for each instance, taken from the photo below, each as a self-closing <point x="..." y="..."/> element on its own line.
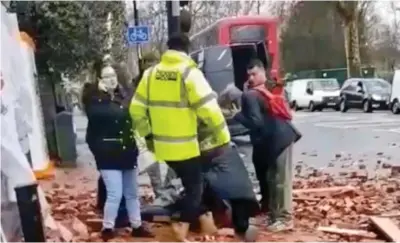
<point x="138" y="34"/>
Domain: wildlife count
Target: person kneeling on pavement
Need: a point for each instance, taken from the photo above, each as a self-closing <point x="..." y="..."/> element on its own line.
<point x="109" y="135"/>
<point x="226" y="175"/>
<point x="272" y="134"/>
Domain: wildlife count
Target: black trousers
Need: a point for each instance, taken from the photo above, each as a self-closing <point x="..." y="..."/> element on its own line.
<point x="190" y="173"/>
<point x="240" y="209"/>
<point x="263" y="163"/>
<point x="240" y="215"/>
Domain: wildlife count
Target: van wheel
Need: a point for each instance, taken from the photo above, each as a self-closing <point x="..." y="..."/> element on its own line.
<point x="396" y="107"/>
<point x="367" y="106"/>
<point x="342" y="106"/>
<point x="311" y="106"/>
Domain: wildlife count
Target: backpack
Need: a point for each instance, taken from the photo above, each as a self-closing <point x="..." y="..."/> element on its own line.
<point x="275" y="103"/>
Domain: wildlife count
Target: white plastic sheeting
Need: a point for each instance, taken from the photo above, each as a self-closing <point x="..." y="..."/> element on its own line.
<point x="16" y="125"/>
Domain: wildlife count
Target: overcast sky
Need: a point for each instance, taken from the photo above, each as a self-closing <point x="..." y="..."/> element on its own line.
<point x="382" y="7"/>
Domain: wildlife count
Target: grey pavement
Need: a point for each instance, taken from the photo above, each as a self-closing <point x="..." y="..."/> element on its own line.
<point x="329" y="139"/>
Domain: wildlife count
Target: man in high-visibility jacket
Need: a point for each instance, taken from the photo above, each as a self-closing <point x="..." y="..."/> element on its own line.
<point x="168" y="102"/>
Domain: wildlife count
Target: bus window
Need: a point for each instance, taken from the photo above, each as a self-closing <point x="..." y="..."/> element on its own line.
<point x="247" y="33"/>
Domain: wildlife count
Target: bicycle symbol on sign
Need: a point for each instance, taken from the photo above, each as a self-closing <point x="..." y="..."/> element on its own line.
<point x="138" y="34"/>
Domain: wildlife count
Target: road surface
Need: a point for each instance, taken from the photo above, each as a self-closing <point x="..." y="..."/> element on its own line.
<point x="342" y="141"/>
<point x="330" y="139"/>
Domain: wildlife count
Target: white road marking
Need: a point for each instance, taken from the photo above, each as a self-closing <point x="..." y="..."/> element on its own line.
<point x="394" y="130"/>
<point x="377" y="124"/>
<point x="359" y="123"/>
<point x="322" y="119"/>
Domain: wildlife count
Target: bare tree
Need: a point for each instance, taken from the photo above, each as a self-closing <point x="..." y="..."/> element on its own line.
<point x="386" y="47"/>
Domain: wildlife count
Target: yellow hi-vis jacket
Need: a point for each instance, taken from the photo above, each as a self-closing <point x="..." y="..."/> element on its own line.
<point x="169" y="99"/>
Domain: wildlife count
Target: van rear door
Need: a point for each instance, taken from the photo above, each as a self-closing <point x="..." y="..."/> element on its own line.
<point x="217" y="65"/>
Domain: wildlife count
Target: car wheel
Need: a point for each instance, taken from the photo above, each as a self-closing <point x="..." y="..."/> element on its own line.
<point x="396" y="107"/>
<point x="367" y="106"/>
<point x="311" y="106"/>
<point x="337" y="108"/>
<point x="342" y="105"/>
<point x="320" y="109"/>
<point x="295" y="106"/>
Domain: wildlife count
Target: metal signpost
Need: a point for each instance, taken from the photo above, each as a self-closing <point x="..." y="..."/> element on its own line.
<point x="138" y="35"/>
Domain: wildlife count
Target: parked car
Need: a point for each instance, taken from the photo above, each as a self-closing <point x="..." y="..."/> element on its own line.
<point x="394" y="104"/>
<point x="315" y="94"/>
<point x="367" y="94"/>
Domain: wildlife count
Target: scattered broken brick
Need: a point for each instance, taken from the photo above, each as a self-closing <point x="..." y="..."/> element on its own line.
<point x="319" y="200"/>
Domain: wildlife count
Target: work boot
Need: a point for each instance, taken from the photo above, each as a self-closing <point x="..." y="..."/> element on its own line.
<point x="107" y="234"/>
<point x="250" y="235"/>
<point x="142" y="232"/>
<point x="180" y="231"/>
<point x="207" y="224"/>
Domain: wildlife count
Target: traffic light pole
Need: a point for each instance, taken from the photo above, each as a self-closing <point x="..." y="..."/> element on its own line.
<point x="173" y="12"/>
<point x="136" y="23"/>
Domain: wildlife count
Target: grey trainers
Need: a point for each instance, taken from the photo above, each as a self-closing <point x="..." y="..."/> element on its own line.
<point x="280" y="225"/>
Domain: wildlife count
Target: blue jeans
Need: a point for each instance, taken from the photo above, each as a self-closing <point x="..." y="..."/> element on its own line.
<point x="118" y="183"/>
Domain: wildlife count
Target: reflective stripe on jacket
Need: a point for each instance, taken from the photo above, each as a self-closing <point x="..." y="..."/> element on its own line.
<point x="213" y="138"/>
<point x="169" y="99"/>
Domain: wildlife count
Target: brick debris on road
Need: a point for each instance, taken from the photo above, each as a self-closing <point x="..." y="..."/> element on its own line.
<point x="345" y="207"/>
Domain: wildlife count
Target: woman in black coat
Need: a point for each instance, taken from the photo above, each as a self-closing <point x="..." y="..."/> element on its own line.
<point x="110" y="138"/>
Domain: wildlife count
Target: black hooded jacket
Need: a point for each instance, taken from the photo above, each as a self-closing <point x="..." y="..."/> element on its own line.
<point x="264" y="128"/>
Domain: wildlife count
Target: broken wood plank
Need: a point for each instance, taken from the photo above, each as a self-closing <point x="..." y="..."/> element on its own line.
<point x="66" y="234"/>
<point x="387" y="227"/>
<point x="390" y="215"/>
<point x="324" y="189"/>
<point x="348" y="232"/>
<point x="311" y="199"/>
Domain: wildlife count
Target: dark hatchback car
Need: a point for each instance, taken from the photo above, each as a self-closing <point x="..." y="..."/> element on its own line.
<point x="367" y="94"/>
<point x="225" y="69"/>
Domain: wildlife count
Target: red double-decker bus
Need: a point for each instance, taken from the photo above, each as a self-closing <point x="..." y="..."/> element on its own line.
<point x="244" y="29"/>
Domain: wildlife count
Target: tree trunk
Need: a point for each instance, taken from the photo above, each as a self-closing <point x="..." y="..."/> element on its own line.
<point x="352" y="46"/>
<point x="349" y="12"/>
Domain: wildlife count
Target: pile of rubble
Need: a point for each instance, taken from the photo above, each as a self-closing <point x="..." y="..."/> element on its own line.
<point x="351" y="207"/>
<point x="347" y="208"/>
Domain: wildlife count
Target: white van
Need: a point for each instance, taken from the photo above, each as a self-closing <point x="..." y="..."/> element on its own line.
<point x="395" y="94"/>
<point x="315" y="94"/>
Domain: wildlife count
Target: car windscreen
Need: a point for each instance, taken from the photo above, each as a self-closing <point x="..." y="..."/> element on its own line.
<point x="326" y="84"/>
<point x="377" y="85"/>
